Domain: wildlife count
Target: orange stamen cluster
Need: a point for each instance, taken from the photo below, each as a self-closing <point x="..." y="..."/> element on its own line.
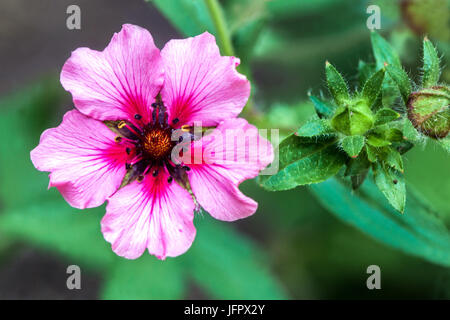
<point x="157" y="143"/>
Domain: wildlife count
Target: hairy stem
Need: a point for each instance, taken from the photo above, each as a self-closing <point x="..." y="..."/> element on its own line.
<point x="223" y="34"/>
<point x="224" y="37"/>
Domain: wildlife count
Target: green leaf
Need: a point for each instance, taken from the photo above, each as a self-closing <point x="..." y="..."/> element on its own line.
<point x="392" y="184"/>
<point x="391" y="156"/>
<point x="419" y="232"/>
<point x="393" y="135"/>
<point x="353" y="145"/>
<point x="365" y="71"/>
<point x="401" y="78"/>
<point x="323" y="109"/>
<point x="377" y="138"/>
<point x="316" y="127"/>
<point x="410" y="133"/>
<point x="390" y="93"/>
<point x="431" y="69"/>
<point x="190" y="17"/>
<point x="303" y="162"/>
<point x="371" y="153"/>
<point x="385" y="115"/>
<point x="373" y="87"/>
<point x="357" y="165"/>
<point x="394" y="159"/>
<point x="383" y="52"/>
<point x="229" y="266"/>
<point x="337" y="85"/>
<point x="61" y="228"/>
<point x="358" y="179"/>
<point x="145" y="278"/>
<point x="357" y="169"/>
<point x="403" y="146"/>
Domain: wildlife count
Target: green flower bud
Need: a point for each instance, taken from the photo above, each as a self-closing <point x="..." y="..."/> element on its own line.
<point x="355" y="118"/>
<point x="428" y="111"/>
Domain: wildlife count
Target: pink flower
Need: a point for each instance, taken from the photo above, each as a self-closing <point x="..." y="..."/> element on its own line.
<point x="117" y="145"/>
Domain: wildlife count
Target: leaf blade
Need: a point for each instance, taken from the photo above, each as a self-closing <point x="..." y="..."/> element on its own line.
<point x="385" y="115"/>
<point x="431" y="69"/>
<point x="336" y="84"/>
<point x="316" y="127"/>
<point x="383" y="51"/>
<point x="304" y="163"/>
<point x="418" y="232"/>
<point x="323" y="109"/>
<point x="392" y="184"/>
<point x="353" y="145"/>
<point x="400" y="77"/>
<point x="373" y="86"/>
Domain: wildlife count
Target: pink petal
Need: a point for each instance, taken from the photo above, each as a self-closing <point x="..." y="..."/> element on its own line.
<point x="152" y="214"/>
<point x="233" y="153"/>
<point x="118" y="82"/>
<point x="200" y="84"/>
<point x="86" y="164"/>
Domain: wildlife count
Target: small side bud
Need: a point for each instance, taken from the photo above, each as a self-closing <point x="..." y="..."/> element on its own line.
<point x="428" y="111"/>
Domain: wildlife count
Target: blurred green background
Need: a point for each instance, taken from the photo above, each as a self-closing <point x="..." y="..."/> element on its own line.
<point x="300" y="244"/>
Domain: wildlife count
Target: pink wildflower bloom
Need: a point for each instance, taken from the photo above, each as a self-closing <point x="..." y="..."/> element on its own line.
<point x="118" y="145"/>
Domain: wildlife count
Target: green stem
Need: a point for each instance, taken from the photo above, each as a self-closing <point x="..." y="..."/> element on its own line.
<point x="223" y="35"/>
<point x="220" y="24"/>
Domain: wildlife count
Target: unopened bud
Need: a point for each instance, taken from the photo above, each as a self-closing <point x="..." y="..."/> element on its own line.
<point x="356" y="118"/>
<point x="428" y="111"/>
